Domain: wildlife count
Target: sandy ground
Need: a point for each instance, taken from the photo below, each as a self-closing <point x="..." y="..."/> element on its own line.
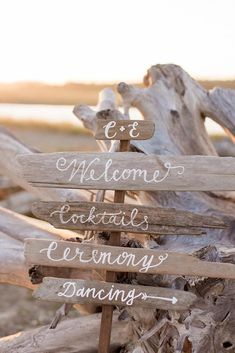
<point x="53" y="141"/>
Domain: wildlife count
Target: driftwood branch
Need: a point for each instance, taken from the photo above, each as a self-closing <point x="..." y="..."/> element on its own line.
<point x="6" y="183"/>
<point x="177" y="105"/>
<point x="88" y="116"/>
<point x="10" y="147"/>
<point x="71" y="336"/>
<point x="20" y="202"/>
<point x="14" y="229"/>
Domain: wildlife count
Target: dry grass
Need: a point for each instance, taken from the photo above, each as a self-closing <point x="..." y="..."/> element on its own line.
<point x="44" y="125"/>
<point x="37" y="93"/>
<point x="216" y="83"/>
<point x="70" y="93"/>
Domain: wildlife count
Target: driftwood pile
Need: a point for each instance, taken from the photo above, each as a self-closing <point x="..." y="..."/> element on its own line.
<point x="177" y="105"/>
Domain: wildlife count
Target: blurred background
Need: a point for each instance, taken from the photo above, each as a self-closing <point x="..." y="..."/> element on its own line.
<point x="55" y="54"/>
<point x="58" y="53"/>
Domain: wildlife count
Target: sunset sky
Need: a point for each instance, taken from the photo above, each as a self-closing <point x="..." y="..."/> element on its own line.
<point x="57" y="41"/>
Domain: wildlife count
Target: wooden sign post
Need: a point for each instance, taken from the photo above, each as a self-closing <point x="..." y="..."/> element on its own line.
<point x="55" y="253"/>
<point x="121" y="171"/>
<point x="75" y="290"/>
<point x="99" y="216"/>
<point x="107" y="310"/>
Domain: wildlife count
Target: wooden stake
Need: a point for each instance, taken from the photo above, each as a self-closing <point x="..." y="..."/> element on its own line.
<point x="107" y="310"/>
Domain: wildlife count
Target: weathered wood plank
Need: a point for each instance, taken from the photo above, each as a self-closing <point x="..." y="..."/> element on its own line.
<point x="113" y="258"/>
<point x="101" y="216"/>
<point x="80" y="291"/>
<point x="128" y="171"/>
<point x="124" y="129"/>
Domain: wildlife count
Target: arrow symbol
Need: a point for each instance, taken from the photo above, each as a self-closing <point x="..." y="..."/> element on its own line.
<point x="173" y="300"/>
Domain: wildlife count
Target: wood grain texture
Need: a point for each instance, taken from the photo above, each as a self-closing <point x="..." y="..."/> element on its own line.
<point x="10" y="148"/>
<point x="70" y="336"/>
<point x="124" y="129"/>
<point x="99" y="216"/>
<point x="115" y="237"/>
<point x="113" y="258"/>
<point x="177" y="103"/>
<point x="128" y="171"/>
<point x="82" y="292"/>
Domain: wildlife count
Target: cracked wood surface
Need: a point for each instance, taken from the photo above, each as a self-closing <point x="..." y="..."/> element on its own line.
<point x="99" y="216"/>
<point x="128" y="171"/>
<point x="119" y="259"/>
<point x="108" y="293"/>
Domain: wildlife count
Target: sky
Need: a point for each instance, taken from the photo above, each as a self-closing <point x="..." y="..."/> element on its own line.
<point x="57" y="41"/>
